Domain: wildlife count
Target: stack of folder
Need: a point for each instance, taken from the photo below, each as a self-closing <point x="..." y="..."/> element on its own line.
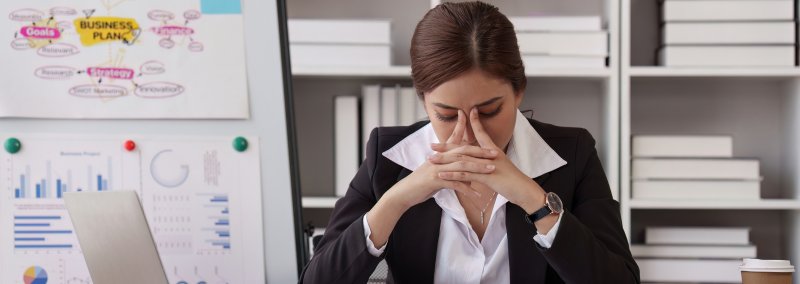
<point x="339" y="42"/>
<point x="700" y="167"/>
<point x="561" y="41"/>
<point x="728" y="33"/>
<point x="693" y="254"/>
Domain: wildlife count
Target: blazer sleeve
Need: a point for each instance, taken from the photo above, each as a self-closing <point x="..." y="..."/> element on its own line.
<point x="341" y="256"/>
<point x="591" y="246"/>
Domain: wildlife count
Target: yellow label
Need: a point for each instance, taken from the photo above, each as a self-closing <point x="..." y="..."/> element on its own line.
<point x="102" y="29"/>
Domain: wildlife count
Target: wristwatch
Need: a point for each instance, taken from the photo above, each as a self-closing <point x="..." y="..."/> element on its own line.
<point x="552" y="204"/>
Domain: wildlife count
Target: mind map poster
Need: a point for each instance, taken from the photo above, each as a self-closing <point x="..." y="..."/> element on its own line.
<point x="122" y="59"/>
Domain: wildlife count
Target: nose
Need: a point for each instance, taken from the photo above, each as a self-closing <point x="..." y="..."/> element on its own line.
<point x="469" y="136"/>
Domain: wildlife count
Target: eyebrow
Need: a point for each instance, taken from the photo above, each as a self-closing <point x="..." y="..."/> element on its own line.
<point x="490" y="101"/>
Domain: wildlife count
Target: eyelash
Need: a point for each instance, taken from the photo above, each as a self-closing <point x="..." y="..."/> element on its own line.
<point x="485" y="115"/>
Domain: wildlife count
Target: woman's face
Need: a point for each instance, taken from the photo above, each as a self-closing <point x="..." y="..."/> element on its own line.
<point x="495" y="99"/>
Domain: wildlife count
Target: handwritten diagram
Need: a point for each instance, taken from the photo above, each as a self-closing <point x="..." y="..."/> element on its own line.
<point x="123" y="59"/>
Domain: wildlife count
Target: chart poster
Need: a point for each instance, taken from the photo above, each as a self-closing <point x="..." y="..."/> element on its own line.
<point x="122" y="59"/>
<point x="201" y="198"/>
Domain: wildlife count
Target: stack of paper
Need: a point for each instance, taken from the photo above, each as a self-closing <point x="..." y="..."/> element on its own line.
<point x="325" y="42"/>
<point x="693" y="254"/>
<point x="561" y="41"/>
<point x="669" y="167"/>
<point x="728" y="33"/>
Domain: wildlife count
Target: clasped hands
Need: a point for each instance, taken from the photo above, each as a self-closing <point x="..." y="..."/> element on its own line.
<point x="456" y="165"/>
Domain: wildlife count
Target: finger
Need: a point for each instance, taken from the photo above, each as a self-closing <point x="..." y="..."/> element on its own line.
<point x="464" y="166"/>
<point x="447" y="158"/>
<point x="477" y="129"/>
<point x="463" y="176"/>
<point x="474" y="151"/>
<point x="460" y="187"/>
<point x="458" y="132"/>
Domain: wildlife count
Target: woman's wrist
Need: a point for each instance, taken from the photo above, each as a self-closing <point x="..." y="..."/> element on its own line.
<point x="382" y="218"/>
<point x="533" y="199"/>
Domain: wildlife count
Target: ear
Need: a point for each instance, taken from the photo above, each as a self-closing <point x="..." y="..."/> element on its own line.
<point x="518" y="99"/>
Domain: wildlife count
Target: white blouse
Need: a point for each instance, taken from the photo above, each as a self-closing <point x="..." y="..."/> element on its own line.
<point x="461" y="257"/>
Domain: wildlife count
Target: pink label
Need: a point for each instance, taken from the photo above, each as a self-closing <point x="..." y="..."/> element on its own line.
<point x="113" y="73"/>
<point x="40" y="32"/>
<point x="172" y="31"/>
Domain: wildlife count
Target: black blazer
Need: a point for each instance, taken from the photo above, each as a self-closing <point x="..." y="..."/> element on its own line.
<point x="590" y="247"/>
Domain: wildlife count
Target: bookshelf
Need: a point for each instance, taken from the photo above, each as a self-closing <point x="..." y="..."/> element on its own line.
<point x="758" y="106"/>
<point x="550" y="90"/>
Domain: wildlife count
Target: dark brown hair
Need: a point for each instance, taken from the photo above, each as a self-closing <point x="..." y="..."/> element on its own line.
<point x="454" y="38"/>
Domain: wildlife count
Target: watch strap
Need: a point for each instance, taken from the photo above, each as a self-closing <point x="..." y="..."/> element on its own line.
<point x="538" y="215"/>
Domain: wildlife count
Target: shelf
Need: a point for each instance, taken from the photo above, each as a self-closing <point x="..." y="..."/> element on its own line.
<point x="405" y="72"/>
<point x="352" y="71"/>
<point x="319" y="202"/>
<point x="659" y="71"/>
<point x="762" y="204"/>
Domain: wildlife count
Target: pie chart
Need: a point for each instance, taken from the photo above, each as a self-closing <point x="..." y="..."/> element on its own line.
<point x="34" y="275"/>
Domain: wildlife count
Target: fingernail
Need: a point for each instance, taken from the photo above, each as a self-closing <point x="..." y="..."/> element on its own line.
<point x="429" y="158"/>
<point x="475" y="110"/>
<point x="441" y="175"/>
<point x="491" y="167"/>
<point x="476" y="193"/>
<point x="493" y="152"/>
<point x="434" y="144"/>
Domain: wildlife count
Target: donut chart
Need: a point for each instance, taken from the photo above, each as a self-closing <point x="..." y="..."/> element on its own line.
<point x="34" y="275"/>
<point x="169" y="169"/>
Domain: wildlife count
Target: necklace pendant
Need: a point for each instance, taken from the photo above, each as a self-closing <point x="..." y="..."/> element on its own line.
<point x="481" y="218"/>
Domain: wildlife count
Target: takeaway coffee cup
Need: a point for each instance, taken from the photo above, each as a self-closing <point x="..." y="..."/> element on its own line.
<point x="762" y="271"/>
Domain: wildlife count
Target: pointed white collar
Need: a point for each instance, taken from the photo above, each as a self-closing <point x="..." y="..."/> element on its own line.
<point x="527" y="150"/>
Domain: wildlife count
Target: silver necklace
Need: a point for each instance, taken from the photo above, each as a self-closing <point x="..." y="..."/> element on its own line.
<point x="484" y="208"/>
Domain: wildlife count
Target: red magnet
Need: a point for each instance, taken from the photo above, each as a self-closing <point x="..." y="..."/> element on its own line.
<point x="129" y="145"/>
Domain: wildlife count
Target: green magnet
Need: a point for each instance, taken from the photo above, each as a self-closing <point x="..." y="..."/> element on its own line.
<point x="13" y="145"/>
<point x="240" y="144"/>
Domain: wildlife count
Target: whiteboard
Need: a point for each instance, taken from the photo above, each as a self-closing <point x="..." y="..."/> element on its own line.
<point x="267" y="121"/>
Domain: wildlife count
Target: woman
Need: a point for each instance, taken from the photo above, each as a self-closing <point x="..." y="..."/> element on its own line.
<point x="484" y="206"/>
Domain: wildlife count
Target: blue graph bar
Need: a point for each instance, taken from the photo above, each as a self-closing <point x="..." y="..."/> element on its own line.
<point x="29" y="239"/>
<point x="16" y="193"/>
<point x="58" y="188"/>
<point x="42" y="246"/>
<point x="225" y="211"/>
<point x="44" y="232"/>
<point x="105" y="184"/>
<point x="38" y="191"/>
<point x="226" y="245"/>
<point x="221" y="223"/>
<point x="99" y="182"/>
<point x="80" y="189"/>
<point x="44" y="189"/>
<point x="31" y="224"/>
<point x="37" y="217"/>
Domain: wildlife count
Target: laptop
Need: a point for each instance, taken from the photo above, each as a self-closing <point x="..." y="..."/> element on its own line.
<point x="114" y="237"/>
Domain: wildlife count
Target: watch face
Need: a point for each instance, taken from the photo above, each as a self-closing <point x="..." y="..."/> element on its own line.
<point x="554" y="203"/>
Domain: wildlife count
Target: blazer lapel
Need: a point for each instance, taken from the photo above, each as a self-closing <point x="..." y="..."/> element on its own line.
<point x="526" y="263"/>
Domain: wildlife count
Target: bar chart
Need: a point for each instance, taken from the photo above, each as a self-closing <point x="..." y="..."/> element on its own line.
<point x="216" y="226"/>
<point x="54" y="182"/>
<point x="44" y="232"/>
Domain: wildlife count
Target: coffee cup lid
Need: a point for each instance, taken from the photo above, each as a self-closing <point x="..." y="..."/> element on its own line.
<point x="766" y="265"/>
